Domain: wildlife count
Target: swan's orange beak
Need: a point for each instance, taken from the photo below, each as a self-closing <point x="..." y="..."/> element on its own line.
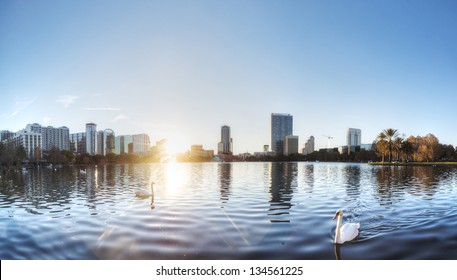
<point x="336" y="215"/>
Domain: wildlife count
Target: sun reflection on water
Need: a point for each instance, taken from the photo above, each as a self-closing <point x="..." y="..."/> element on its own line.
<point x="176" y="177"/>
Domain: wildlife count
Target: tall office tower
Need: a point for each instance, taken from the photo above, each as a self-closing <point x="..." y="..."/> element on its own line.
<point x="100" y="145"/>
<point x="118" y="142"/>
<point x="105" y="142"/>
<point x="91" y="138"/>
<point x="226" y="144"/>
<point x="109" y="141"/>
<point x="281" y="126"/>
<point x="122" y="143"/>
<point x="309" y="146"/>
<point x="141" y="143"/>
<point x="78" y="143"/>
<point x="291" y="145"/>
<point x="353" y="137"/>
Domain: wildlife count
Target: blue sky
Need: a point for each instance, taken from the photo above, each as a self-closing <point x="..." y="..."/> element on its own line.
<point x="181" y="69"/>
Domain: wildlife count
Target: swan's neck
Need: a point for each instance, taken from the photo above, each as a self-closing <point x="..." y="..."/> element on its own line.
<point x="337" y="231"/>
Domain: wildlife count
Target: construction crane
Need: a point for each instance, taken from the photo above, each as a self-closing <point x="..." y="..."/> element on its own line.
<point x="329" y="138"/>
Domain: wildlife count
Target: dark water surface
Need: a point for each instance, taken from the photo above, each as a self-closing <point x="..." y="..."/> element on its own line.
<point x="228" y="211"/>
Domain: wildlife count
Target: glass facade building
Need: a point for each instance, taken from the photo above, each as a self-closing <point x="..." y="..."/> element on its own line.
<point x="78" y="143"/>
<point x="281" y="126"/>
<point x="353" y="137"/>
<point x="91" y="138"/>
<point x="226" y="144"/>
<point x="141" y="144"/>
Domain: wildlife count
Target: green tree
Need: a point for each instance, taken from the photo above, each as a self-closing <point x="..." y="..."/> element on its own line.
<point x="21" y="154"/>
<point x="407" y="149"/>
<point x="70" y="157"/>
<point x="388" y="140"/>
<point x="432" y="144"/>
<point x="381" y="145"/>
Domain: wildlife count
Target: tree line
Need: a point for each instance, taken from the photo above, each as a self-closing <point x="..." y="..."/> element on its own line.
<point x="390" y="146"/>
<point x="16" y="156"/>
<point x="10" y="156"/>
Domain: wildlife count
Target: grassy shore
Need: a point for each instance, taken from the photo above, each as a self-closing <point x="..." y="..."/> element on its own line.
<point x="453" y="163"/>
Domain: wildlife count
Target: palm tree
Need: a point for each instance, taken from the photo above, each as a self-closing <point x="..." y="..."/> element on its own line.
<point x="398" y="147"/>
<point x="381" y="145"/>
<point x="387" y="139"/>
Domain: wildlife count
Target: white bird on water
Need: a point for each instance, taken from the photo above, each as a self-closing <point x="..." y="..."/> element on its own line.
<point x="145" y="193"/>
<point x="346" y="232"/>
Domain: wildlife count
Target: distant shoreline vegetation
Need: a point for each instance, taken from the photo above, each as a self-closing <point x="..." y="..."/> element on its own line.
<point x="434" y="163"/>
<point x="393" y="148"/>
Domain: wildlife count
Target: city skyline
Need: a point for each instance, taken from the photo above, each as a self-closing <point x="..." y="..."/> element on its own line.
<point x="179" y="70"/>
<point x="281" y="128"/>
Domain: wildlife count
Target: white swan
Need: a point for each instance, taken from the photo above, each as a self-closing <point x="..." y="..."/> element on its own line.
<point x="82" y="171"/>
<point x="145" y="193"/>
<point x="344" y="233"/>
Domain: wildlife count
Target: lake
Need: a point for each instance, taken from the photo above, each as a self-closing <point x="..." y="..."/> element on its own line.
<point x="228" y="211"/>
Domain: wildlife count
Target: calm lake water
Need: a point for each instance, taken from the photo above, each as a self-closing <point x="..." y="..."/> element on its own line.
<point x="228" y="211"/>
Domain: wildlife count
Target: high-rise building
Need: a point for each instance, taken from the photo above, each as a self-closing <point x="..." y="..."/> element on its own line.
<point x="91" y="138"/>
<point x="6" y="135"/>
<point x="99" y="150"/>
<point x="281" y="126"/>
<point x="52" y="137"/>
<point x="105" y="142"/>
<point x="353" y="137"/>
<point x="290" y="145"/>
<point x="78" y="143"/>
<point x="141" y="143"/>
<point x="225" y="147"/>
<point x="109" y="142"/>
<point x="30" y="140"/>
<point x="122" y="143"/>
<point x="309" y="146"/>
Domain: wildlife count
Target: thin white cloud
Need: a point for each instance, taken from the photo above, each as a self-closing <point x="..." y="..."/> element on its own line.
<point x="19" y="106"/>
<point x="118" y="118"/>
<point x="102" y="109"/>
<point x="67" y="100"/>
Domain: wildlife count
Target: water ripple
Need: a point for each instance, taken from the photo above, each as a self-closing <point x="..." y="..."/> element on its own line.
<point x="228" y="211"/>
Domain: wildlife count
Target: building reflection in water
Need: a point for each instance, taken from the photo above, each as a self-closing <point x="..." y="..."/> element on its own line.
<point x="89" y="187"/>
<point x="225" y="180"/>
<point x="110" y="175"/>
<point x="308" y="173"/>
<point x="352" y="174"/>
<point x="37" y="190"/>
<point x="283" y="178"/>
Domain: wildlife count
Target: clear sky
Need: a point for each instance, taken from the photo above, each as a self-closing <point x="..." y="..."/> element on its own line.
<point x="181" y="69"/>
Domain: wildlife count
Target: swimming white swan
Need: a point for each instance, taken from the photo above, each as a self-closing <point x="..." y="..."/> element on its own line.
<point x="145" y="193"/>
<point x="82" y="171"/>
<point x="346" y="232"/>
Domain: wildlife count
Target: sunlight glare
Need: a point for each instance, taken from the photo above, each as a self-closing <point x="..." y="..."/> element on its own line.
<point x="176" y="177"/>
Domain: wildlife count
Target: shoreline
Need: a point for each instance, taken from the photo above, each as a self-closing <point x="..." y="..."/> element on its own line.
<point x="448" y="163"/>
